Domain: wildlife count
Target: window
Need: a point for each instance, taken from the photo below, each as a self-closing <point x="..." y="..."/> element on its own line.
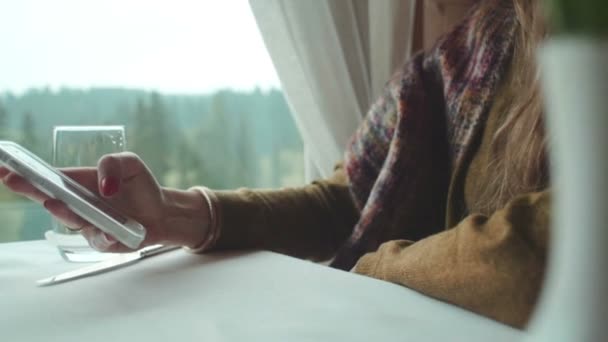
<point x="191" y="82"/>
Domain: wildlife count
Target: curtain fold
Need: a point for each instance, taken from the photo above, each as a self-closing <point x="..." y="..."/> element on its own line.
<point x="333" y="58"/>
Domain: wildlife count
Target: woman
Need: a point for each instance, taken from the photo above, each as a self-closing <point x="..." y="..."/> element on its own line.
<point x="442" y="189"/>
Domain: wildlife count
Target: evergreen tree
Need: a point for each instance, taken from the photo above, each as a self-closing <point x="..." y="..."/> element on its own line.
<point x="3" y="122"/>
<point x="28" y="132"/>
<point x="137" y="134"/>
<point x="218" y="145"/>
<point x="159" y="134"/>
<point x="150" y="135"/>
<point x="189" y="166"/>
<point x="245" y="163"/>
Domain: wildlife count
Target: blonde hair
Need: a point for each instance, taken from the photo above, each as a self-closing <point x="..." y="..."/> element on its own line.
<point x="519" y="163"/>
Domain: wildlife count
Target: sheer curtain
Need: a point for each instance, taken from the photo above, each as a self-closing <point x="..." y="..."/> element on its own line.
<point x="333" y="58"/>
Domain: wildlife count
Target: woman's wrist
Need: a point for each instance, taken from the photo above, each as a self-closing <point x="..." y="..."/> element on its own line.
<point x="213" y="227"/>
<point x="187" y="217"/>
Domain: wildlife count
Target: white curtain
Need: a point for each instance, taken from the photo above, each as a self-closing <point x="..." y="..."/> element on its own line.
<point x="333" y="58"/>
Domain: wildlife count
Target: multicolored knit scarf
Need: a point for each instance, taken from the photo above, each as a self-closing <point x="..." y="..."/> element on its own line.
<point x="423" y="129"/>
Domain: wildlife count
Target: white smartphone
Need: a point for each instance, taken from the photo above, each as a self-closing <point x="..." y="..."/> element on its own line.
<point x="79" y="199"/>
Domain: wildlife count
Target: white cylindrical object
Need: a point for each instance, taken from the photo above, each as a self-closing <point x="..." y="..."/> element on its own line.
<point x="574" y="302"/>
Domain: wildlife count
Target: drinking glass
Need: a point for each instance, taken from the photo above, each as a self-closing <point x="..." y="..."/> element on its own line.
<point x="81" y="146"/>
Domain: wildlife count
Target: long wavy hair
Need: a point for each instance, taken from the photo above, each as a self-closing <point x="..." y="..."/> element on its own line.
<point x="519" y="147"/>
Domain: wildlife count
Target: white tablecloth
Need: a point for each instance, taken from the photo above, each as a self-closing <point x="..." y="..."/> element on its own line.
<point x="247" y="296"/>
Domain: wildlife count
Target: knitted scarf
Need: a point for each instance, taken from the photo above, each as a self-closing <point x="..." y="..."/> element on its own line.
<point x="423" y="129"/>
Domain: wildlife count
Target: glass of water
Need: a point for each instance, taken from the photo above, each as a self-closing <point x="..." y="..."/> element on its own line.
<point x="82" y="146"/>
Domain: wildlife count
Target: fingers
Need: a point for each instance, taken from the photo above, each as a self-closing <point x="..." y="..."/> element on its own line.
<point x="85" y="176"/>
<point x="64" y="215"/>
<point x="103" y="242"/>
<point x="97" y="239"/>
<point x="19" y="185"/>
<point x="114" y="169"/>
<point x="4" y="171"/>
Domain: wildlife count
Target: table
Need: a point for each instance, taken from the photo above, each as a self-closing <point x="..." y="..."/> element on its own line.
<point x="237" y="296"/>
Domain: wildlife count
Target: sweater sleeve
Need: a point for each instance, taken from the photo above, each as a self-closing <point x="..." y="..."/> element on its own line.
<point x="306" y="222"/>
<point x="490" y="265"/>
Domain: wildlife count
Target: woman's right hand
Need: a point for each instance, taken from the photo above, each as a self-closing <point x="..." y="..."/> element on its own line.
<point x="170" y="216"/>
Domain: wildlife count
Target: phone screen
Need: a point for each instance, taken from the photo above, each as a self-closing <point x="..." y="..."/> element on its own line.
<point x="63" y="181"/>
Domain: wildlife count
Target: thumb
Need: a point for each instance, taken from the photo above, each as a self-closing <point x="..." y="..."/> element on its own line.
<point x="115" y="169"/>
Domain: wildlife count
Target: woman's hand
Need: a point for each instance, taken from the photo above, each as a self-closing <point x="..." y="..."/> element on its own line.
<point x="170" y="216"/>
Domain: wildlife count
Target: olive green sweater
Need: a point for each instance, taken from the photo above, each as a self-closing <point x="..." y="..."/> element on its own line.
<point x="492" y="265"/>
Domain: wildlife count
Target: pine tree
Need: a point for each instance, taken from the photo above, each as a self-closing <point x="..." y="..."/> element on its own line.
<point x="159" y="135"/>
<point x="189" y="166"/>
<point x="137" y="134"/>
<point x="3" y="122"/>
<point x="150" y="135"/>
<point x="218" y="144"/>
<point x="245" y="154"/>
<point x="28" y="131"/>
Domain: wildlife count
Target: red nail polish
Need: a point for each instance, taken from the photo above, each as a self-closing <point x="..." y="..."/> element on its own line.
<point x="109" y="186"/>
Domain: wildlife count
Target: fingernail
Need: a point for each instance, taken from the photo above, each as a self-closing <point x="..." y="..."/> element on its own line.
<point x="109" y="186"/>
<point x="48" y="204"/>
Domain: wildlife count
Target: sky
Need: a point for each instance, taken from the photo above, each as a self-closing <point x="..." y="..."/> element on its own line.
<point x="171" y="46"/>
